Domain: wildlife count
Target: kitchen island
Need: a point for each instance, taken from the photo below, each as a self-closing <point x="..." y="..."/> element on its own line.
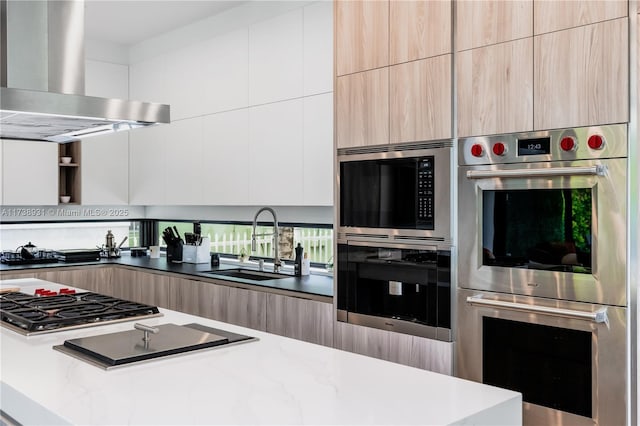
<point x="274" y="380"/>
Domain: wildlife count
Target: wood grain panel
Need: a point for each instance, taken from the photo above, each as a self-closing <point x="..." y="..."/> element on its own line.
<point x="420" y="100"/>
<point x="362" y="108"/>
<point x="207" y="300"/>
<point x="362" y="35"/>
<point x="418" y="29"/>
<point x="481" y="23"/>
<point x="247" y="308"/>
<point x="581" y="76"/>
<point x="558" y="15"/>
<point x="300" y="319"/>
<point x="495" y="89"/>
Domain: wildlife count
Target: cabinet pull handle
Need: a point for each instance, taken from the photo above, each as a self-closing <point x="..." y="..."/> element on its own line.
<point x="518" y="173"/>
<point x="599" y="316"/>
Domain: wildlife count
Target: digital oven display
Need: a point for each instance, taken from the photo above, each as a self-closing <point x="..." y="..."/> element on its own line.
<point x="537" y="146"/>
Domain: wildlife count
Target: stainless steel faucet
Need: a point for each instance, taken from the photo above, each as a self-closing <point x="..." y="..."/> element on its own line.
<point x="276" y="237"/>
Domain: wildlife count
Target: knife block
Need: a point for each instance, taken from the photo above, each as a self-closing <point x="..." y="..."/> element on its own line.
<point x="174" y="252"/>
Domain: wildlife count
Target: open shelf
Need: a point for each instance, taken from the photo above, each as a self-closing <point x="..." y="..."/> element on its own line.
<point x="69" y="173"/>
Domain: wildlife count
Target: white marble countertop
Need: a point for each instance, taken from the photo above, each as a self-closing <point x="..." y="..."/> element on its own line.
<point x="275" y="380"/>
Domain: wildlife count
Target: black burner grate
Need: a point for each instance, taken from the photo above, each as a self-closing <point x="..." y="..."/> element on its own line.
<point x="46" y="313"/>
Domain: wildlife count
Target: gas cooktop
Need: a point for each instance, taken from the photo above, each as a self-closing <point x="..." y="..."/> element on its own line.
<point x="28" y="314"/>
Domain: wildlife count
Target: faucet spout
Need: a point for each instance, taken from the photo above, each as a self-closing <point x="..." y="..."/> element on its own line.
<point x="276" y="236"/>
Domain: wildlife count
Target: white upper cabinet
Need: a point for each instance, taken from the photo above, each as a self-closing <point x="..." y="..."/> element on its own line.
<point x="275" y="59"/>
<point x="148" y="81"/>
<point x="183" y="162"/>
<point x="318" y="48"/>
<point x="184" y="82"/>
<point x="106" y="80"/>
<point x="226" y="72"/>
<point x="275" y="153"/>
<point x="105" y="171"/>
<point x="318" y="150"/>
<point x="29" y="173"/>
<point x="225" y="167"/>
<point x="147" y="166"/>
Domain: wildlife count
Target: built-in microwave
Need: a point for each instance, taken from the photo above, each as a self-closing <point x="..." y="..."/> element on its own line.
<point x="404" y="190"/>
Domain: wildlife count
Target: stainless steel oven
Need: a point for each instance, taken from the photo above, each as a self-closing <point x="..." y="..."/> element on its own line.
<point x="542" y="293"/>
<point x="401" y="190"/>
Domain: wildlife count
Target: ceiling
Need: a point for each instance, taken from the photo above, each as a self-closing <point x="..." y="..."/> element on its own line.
<point x="128" y="22"/>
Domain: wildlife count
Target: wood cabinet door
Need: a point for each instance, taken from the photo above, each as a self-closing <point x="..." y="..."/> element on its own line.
<point x="558" y="15"/>
<point x="420" y="100"/>
<point x="247" y="308"/>
<point x="495" y="89"/>
<point x="300" y="319"/>
<point x="486" y="22"/>
<point x="362" y="108"/>
<point x="581" y="76"/>
<point x="418" y="29"/>
<point x="361" y="35"/>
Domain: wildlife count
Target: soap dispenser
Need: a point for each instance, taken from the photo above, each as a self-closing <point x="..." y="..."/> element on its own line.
<point x="297" y="266"/>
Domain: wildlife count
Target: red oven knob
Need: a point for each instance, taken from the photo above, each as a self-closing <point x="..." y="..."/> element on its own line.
<point x="568" y="144"/>
<point x="477" y="150"/>
<point x="596" y="142"/>
<point x="499" y="148"/>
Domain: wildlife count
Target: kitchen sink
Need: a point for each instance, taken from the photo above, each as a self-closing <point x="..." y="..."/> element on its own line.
<point x="250" y="274"/>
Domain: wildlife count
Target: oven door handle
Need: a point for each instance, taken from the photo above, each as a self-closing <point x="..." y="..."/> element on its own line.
<point x="599" y="316"/>
<point x="519" y="173"/>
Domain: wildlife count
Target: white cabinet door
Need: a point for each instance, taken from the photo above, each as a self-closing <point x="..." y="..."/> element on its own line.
<point x="225" y="149"/>
<point x="318" y="150"/>
<point x="184" y="82"/>
<point x="105" y="169"/>
<point x="275" y="59"/>
<point x="318" y="48"/>
<point x="147" y="172"/>
<point x="226" y="72"/>
<point x="275" y="154"/>
<point x="148" y="81"/>
<point x="183" y="162"/>
<point x="106" y="80"/>
<point x="29" y="173"/>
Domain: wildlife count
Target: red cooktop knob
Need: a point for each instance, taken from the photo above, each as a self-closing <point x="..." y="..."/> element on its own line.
<point x="477" y="150"/>
<point x="568" y="144"/>
<point x="596" y="142"/>
<point x="499" y="148"/>
<point x="39" y="291"/>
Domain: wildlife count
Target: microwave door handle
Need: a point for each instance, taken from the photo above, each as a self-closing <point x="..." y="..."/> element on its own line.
<point x="600" y="316"/>
<point x="520" y="173"/>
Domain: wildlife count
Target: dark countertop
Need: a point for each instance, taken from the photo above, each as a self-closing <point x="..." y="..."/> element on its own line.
<point x="312" y="284"/>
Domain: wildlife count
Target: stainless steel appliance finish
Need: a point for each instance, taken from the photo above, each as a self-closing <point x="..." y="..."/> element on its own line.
<point x="396" y="287"/>
<point x="536" y="165"/>
<point x="130" y="347"/>
<point x="42" y="78"/>
<point x="276" y="236"/>
<point x="425" y="204"/>
<point x="596" y="388"/>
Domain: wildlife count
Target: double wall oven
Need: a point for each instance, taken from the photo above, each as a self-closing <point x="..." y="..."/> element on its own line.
<point x="542" y="298"/>
<point x="394" y="243"/>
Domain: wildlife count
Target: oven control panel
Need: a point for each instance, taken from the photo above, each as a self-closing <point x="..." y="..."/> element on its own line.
<point x="583" y="143"/>
<point x="425" y="192"/>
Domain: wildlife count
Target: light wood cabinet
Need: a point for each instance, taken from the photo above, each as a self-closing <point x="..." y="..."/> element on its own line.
<point x="247" y="308"/>
<point x="300" y="319"/>
<point x="29" y="173"/>
<point x="495" y="89"/>
<point x="418" y="29"/>
<point x="361" y="35"/>
<point x="414" y="351"/>
<point x="581" y="76"/>
<point x="557" y="15"/>
<point x="362" y="108"/>
<point x="420" y="100"/>
<point x="69" y="182"/>
<point x="482" y="23"/>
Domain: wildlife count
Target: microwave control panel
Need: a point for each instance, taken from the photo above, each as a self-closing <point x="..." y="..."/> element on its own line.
<point x="425" y="193"/>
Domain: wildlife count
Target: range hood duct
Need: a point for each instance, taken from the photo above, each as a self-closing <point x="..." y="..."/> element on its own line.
<point x="42" y="67"/>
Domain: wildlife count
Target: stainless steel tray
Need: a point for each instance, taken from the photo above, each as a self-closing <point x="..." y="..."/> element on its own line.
<point x="128" y="347"/>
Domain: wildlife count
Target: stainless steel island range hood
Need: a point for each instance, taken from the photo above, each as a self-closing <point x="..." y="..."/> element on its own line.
<point x="42" y="82"/>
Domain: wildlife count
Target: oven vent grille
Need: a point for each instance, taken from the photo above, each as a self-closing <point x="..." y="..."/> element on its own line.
<point x="374" y="236"/>
<point x="404" y="237"/>
<point x="396" y="147"/>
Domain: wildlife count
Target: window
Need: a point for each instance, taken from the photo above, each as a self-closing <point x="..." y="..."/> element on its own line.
<point x="67" y="235"/>
<point x="233" y="239"/>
